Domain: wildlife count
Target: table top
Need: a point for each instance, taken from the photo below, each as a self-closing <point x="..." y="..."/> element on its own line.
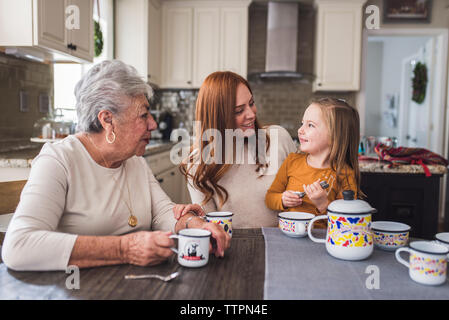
<point x="239" y="275"/>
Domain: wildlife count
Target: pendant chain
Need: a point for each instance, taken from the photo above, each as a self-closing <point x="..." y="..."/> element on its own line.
<point x="132" y="220"/>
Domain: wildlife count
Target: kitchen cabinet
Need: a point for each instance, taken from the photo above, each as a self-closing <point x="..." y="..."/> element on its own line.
<point x="138" y="36"/>
<point x="42" y="26"/>
<point x="177" y="24"/>
<point x="408" y="198"/>
<point x="338" y="45"/>
<point x="169" y="177"/>
<point x="200" y="37"/>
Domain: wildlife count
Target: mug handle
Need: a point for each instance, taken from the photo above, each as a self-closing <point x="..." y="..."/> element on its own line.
<point x="398" y="256"/>
<point x="174" y="236"/>
<point x="309" y="231"/>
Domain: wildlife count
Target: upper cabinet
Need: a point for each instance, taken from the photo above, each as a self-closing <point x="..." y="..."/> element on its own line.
<point x="177" y="38"/>
<point x="138" y="36"/>
<point x="200" y="37"/>
<point x="51" y="26"/>
<point x="176" y="44"/>
<point x="338" y="45"/>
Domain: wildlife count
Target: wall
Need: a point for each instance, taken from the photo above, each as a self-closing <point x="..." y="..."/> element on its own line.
<point x="373" y="87"/>
<point x="439" y="16"/>
<point x="16" y="75"/>
<point x="283" y="102"/>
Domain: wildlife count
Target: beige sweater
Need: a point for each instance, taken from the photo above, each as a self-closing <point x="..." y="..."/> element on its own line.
<point x="246" y="188"/>
<point x="69" y="194"/>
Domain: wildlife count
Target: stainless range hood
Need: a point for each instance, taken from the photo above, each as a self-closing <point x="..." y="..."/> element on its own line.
<point x="282" y="41"/>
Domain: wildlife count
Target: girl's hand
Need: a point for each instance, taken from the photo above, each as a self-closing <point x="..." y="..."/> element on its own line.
<point x="290" y="200"/>
<point x="317" y="195"/>
<point x="181" y="209"/>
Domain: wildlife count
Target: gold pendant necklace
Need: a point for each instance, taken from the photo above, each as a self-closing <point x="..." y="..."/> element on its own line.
<point x="132" y="220"/>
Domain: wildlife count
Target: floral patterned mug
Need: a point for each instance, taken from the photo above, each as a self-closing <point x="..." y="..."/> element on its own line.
<point x="427" y="263"/>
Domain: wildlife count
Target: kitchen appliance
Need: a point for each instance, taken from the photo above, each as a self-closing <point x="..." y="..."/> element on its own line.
<point x="349" y="235"/>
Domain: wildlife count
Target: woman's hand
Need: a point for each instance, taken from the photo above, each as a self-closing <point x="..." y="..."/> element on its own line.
<point x="145" y="248"/>
<point x="219" y="241"/>
<point x="317" y="195"/>
<point x="181" y="209"/>
<point x="290" y="199"/>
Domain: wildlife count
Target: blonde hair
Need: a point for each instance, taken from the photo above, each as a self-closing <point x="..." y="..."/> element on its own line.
<point x="343" y="122"/>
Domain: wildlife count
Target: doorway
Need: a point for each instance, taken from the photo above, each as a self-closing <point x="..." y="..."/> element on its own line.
<point x="385" y="102"/>
<point x="431" y="116"/>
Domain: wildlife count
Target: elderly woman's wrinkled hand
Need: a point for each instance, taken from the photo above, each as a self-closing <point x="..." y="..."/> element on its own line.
<point x="145" y="248"/>
<point x="181" y="209"/>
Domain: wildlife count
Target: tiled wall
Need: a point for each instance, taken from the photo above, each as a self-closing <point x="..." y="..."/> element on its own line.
<point x="283" y="102"/>
<point x="16" y="75"/>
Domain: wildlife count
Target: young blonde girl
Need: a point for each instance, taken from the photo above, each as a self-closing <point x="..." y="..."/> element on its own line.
<point x="329" y="138"/>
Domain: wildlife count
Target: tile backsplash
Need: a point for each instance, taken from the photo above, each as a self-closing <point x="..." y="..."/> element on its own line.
<point x="32" y="78"/>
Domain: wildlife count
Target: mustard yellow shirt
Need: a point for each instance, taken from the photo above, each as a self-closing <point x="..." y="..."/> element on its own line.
<point x="296" y="172"/>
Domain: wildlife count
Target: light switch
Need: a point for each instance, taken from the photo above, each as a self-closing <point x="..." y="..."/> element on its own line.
<point x="24" y="107"/>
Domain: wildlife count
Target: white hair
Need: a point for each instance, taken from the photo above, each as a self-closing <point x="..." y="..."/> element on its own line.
<point x="105" y="87"/>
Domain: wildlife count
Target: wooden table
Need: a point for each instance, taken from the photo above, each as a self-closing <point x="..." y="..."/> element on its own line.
<point x="239" y="275"/>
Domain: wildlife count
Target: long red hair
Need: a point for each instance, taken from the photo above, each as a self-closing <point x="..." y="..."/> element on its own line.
<point x="215" y="110"/>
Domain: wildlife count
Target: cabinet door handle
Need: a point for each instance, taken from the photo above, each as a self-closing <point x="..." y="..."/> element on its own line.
<point x="172" y="173"/>
<point x="70" y="46"/>
<point x="160" y="180"/>
<point x="74" y="47"/>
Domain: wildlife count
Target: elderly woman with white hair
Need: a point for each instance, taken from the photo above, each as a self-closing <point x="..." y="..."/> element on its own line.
<point x="91" y="199"/>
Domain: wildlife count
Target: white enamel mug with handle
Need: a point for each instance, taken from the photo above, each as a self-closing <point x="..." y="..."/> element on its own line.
<point x="193" y="247"/>
<point x="427" y="263"/>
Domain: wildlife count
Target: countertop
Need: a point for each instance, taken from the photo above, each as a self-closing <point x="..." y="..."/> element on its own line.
<point x="383" y="167"/>
<point x="21" y="155"/>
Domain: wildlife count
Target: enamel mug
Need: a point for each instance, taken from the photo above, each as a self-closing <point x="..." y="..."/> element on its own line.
<point x="427" y="263"/>
<point x="294" y="224"/>
<point x="193" y="247"/>
<point x="349" y="235"/>
<point x="222" y="218"/>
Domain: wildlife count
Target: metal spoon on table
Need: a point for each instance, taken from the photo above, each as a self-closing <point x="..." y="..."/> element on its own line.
<point x="155" y="276"/>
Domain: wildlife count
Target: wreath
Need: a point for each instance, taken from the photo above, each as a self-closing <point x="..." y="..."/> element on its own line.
<point x="98" y="39"/>
<point x="419" y="82"/>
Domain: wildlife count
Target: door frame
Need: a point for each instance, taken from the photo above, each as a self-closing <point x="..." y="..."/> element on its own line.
<point x="441" y="35"/>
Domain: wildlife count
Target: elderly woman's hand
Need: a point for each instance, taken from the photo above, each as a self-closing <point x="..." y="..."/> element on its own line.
<point x="181" y="209"/>
<point x="145" y="248"/>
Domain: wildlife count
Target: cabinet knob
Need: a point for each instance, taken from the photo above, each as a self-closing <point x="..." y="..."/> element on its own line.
<point x="69" y="46"/>
<point x="319" y="84"/>
<point x="160" y="180"/>
<point x="74" y="47"/>
<point x="189" y="82"/>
